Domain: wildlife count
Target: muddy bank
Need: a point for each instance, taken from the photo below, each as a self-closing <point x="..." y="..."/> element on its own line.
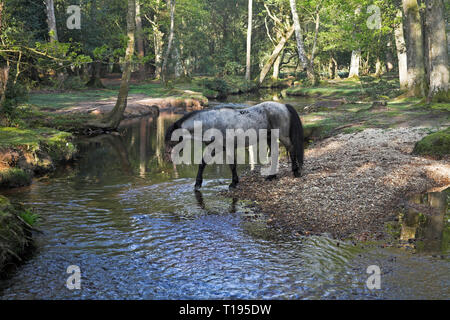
<point x="352" y="184"/>
<point x="15" y="233"/>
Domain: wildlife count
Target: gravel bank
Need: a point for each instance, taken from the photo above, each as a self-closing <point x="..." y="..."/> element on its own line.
<point x="351" y="184"/>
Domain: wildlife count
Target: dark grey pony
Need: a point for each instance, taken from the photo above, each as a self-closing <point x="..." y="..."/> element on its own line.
<point x="266" y="115"/>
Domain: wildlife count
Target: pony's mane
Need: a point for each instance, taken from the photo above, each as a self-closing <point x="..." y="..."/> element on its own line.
<point x="185" y="117"/>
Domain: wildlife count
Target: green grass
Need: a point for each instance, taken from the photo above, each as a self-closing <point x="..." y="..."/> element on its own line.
<point x="14" y="177"/>
<point x="12" y="137"/>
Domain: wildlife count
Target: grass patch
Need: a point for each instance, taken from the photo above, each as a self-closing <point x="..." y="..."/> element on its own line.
<point x="14" y="177"/>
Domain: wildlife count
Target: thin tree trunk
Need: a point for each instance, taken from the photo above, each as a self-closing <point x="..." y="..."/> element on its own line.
<point x="179" y="69"/>
<point x="378" y="68"/>
<point x="249" y="41"/>
<point x="417" y="85"/>
<point x="354" y="63"/>
<point x="170" y="41"/>
<point x="140" y="41"/>
<point x="438" y="53"/>
<point x="4" y="68"/>
<point x="51" y="20"/>
<point x="336" y="73"/>
<point x="300" y="47"/>
<point x="158" y="44"/>
<point x="115" y="116"/>
<point x="276" y="52"/>
<point x="401" y="52"/>
<point x="389" y="59"/>
<point x="316" y="33"/>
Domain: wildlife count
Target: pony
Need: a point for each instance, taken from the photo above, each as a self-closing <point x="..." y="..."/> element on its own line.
<point x="266" y="115"/>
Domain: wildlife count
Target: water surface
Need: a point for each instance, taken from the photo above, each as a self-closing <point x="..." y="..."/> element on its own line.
<point x="137" y="230"/>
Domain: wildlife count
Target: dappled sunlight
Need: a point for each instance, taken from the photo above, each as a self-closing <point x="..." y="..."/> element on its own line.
<point x="330" y="147"/>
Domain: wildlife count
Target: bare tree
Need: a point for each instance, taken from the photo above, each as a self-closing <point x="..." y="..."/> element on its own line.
<point x="249" y="40"/>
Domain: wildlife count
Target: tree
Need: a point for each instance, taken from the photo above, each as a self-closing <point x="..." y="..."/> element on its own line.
<point x="249" y="41"/>
<point x="300" y="47"/>
<point x="356" y="54"/>
<point x="140" y="40"/>
<point x="401" y="51"/>
<point x="170" y="41"/>
<point x="51" y="20"/>
<point x="4" y="67"/>
<point x="417" y="84"/>
<point x="438" y="51"/>
<point x="276" y="52"/>
<point x="112" y="120"/>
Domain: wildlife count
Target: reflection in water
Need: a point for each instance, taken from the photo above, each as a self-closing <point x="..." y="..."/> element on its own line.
<point x="431" y="229"/>
<point x="133" y="224"/>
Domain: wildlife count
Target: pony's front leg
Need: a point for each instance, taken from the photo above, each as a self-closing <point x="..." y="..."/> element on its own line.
<point x="199" y="180"/>
<point x="235" y="179"/>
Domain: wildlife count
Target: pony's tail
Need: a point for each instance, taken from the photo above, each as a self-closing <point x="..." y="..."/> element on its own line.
<point x="296" y="134"/>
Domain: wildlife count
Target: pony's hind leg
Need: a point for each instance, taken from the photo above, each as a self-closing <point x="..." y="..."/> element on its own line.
<point x="235" y="179"/>
<point x="290" y="148"/>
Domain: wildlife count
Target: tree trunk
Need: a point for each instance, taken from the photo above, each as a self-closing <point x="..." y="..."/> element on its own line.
<point x="4" y="69"/>
<point x="276" y="66"/>
<point x="401" y="52"/>
<point x="316" y="33"/>
<point x="312" y="77"/>
<point x="354" y="63"/>
<point x="438" y="51"/>
<point x="51" y="20"/>
<point x="158" y="43"/>
<point x="115" y="116"/>
<point x="140" y="41"/>
<point x="276" y="52"/>
<point x="249" y="41"/>
<point x="389" y="59"/>
<point x="417" y="85"/>
<point x="378" y="68"/>
<point x="95" y="81"/>
<point x="179" y="69"/>
<point x="170" y="41"/>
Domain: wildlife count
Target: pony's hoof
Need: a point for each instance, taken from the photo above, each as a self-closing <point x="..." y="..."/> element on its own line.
<point x="297" y="174"/>
<point x="232" y="186"/>
<point x="271" y="177"/>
